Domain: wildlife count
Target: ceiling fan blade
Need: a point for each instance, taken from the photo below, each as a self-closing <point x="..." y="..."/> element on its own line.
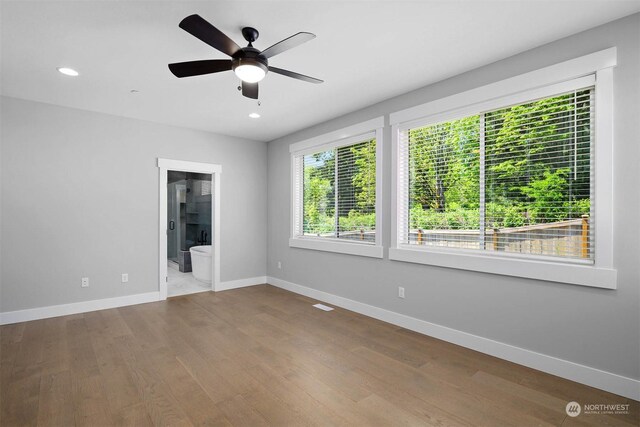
<point x="286" y="44"/>
<point x="198" y="68"/>
<point x="197" y="26"/>
<point x="295" y="75"/>
<point x="250" y="90"/>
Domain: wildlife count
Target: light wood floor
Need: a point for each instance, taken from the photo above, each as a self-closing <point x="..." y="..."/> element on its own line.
<point x="263" y="356"/>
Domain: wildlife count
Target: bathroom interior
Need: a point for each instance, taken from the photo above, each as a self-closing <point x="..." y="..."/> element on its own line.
<point x="189" y="233"/>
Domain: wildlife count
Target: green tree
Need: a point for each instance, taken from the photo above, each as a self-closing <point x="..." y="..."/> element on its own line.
<point x="318" y="193"/>
<point x="364" y="177"/>
<point x="444" y="173"/>
<point x="537" y="166"/>
<point x="547" y="196"/>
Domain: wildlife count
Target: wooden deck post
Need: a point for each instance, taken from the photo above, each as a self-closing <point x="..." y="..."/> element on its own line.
<point x="362" y="234"/>
<point x="495" y="239"/>
<point x="419" y="236"/>
<point x="585" y="237"/>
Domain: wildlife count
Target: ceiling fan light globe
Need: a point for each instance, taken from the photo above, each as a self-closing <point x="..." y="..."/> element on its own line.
<point x="249" y="73"/>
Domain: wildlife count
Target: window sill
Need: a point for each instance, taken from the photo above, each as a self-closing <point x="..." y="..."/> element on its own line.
<point x="576" y="274"/>
<point x="352" y="248"/>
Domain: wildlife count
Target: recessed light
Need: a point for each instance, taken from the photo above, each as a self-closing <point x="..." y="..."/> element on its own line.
<point x="254" y="115"/>
<point x="68" y="71"/>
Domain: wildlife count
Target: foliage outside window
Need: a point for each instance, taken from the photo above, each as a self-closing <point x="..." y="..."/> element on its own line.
<point x="339" y="193"/>
<point x="515" y="180"/>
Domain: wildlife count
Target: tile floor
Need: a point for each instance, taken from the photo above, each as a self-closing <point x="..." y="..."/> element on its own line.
<point x="183" y="283"/>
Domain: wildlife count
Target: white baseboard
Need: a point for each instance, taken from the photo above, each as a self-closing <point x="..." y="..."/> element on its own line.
<point x="102" y="304"/>
<point x="241" y="283"/>
<point x="623" y="386"/>
<point x="76" y="307"/>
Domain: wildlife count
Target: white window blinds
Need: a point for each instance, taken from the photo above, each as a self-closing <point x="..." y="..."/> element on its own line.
<point x="335" y="192"/>
<point x="514" y="180"/>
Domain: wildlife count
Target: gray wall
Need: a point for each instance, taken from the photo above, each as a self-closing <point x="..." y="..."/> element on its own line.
<point x="594" y="327"/>
<point x="80" y="198"/>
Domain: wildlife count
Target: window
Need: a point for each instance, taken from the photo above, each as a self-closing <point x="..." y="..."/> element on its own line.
<point x="339" y="192"/>
<point x="336" y="193"/>
<point x="532" y="193"/>
<point x="511" y="178"/>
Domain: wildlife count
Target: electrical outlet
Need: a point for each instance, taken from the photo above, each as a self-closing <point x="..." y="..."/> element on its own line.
<point x="400" y="292"/>
<point x="85" y="282"/>
<point x="279" y="265"/>
<point x="125" y="277"/>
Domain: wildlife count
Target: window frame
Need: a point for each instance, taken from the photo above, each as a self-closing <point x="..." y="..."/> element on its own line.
<point x="338" y="138"/>
<point x="595" y="69"/>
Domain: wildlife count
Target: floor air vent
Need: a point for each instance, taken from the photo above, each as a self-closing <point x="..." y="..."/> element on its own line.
<point x="323" y="307"/>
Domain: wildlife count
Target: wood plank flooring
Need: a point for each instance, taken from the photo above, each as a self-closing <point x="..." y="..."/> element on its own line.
<point x="262" y="356"/>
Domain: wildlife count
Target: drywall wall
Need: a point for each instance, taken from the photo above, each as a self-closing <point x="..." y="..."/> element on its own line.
<point x="593" y="327"/>
<point x="80" y="198"/>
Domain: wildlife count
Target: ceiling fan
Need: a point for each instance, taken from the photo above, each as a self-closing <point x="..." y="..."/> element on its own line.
<point x="248" y="63"/>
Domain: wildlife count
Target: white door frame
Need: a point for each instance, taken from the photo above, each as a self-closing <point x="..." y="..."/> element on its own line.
<point x="165" y="165"/>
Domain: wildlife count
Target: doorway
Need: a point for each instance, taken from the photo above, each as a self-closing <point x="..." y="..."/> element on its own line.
<point x="188" y="233"/>
<point x="189" y="250"/>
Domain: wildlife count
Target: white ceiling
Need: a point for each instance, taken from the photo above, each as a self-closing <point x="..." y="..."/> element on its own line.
<point x="366" y="51"/>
